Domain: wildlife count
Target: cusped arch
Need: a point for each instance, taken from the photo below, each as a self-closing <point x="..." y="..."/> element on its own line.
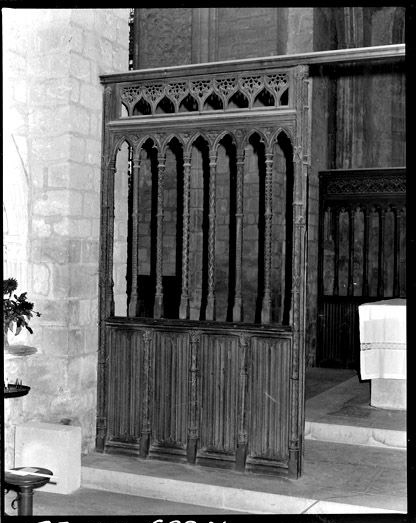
<point x="119" y="143"/>
<point x="165" y="106"/>
<point x="213" y="102"/>
<point x="141" y="108"/>
<point x="144" y="139"/>
<point x="239" y="100"/>
<point x="264" y="98"/>
<point x="166" y="141"/>
<point x="282" y="131"/>
<point x="193" y="138"/>
<point x="252" y="132"/>
<point x="222" y="135"/>
<point x="188" y="104"/>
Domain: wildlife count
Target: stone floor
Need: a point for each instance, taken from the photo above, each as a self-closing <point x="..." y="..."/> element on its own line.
<point x="86" y="501"/>
<point x="339" y="397"/>
<point x="338" y="477"/>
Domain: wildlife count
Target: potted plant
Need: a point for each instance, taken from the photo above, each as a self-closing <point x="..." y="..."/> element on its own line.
<point x="17" y="313"/>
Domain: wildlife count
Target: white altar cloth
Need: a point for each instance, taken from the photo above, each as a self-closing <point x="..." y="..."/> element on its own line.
<point x="383" y="339"/>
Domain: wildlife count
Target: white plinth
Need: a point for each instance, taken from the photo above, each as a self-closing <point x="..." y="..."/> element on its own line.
<point x="52" y="446"/>
<point x="388" y="394"/>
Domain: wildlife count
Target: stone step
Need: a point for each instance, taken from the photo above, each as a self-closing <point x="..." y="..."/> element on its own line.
<point x="249" y="493"/>
<point x="354" y="435"/>
<point x="343" y="414"/>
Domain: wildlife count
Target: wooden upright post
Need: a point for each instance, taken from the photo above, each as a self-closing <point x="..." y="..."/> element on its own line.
<point x="238" y="300"/>
<point x="132" y="311"/>
<point x="210" y="310"/>
<point x="184" y="306"/>
<point x="158" y="306"/>
<point x="266" y="310"/>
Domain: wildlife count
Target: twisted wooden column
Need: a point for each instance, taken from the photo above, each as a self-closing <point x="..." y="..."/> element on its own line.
<point x="210" y="310"/>
<point x="184" y="306"/>
<point x="135" y="241"/>
<point x="266" y="312"/>
<point x="158" y="306"/>
<point x="238" y="301"/>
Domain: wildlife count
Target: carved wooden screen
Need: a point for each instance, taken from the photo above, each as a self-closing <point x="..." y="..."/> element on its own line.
<point x="202" y="257"/>
<point x="362" y="254"/>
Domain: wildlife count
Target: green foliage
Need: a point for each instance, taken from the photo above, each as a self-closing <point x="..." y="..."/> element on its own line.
<point x="17" y="311"/>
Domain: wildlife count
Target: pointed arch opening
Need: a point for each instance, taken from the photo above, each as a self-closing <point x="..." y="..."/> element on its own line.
<point x="225" y="229"/>
<point x="282" y="229"/>
<point x="253" y="228"/>
<point x="264" y="99"/>
<point x="213" y="103"/>
<point x="199" y="228"/>
<point x="238" y="101"/>
<point x="122" y="189"/>
<point x="188" y="104"/>
<point x="165" y="106"/>
<point x="172" y="229"/>
<point x="147" y="188"/>
<point x="142" y="108"/>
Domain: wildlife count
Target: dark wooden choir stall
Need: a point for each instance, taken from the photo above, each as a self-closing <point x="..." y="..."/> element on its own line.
<point x="362" y="253"/>
<point x="203" y="230"/>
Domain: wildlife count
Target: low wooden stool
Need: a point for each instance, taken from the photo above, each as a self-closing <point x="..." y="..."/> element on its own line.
<point x="24" y="486"/>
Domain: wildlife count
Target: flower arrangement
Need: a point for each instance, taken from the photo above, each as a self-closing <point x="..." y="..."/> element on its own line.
<point x="17" y="311"/>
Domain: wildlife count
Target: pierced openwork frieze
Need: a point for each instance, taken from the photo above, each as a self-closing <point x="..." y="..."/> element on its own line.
<point x="207" y="93"/>
<point x="364" y="184"/>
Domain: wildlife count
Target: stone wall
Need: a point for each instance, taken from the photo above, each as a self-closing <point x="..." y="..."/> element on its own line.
<point x="57" y="55"/>
<point x="182" y="36"/>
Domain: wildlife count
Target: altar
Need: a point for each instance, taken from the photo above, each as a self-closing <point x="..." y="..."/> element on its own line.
<point x="383" y="351"/>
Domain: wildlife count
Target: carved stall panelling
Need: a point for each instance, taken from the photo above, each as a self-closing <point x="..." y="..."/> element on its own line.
<point x="199" y="394"/>
<point x="269" y="375"/>
<point x="125" y="397"/>
<point x="362" y="239"/>
<point x="170" y="407"/>
<point x="219" y="393"/>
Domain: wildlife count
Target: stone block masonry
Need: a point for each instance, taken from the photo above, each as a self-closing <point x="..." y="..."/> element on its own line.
<point x="57" y="55"/>
<point x="55" y="447"/>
